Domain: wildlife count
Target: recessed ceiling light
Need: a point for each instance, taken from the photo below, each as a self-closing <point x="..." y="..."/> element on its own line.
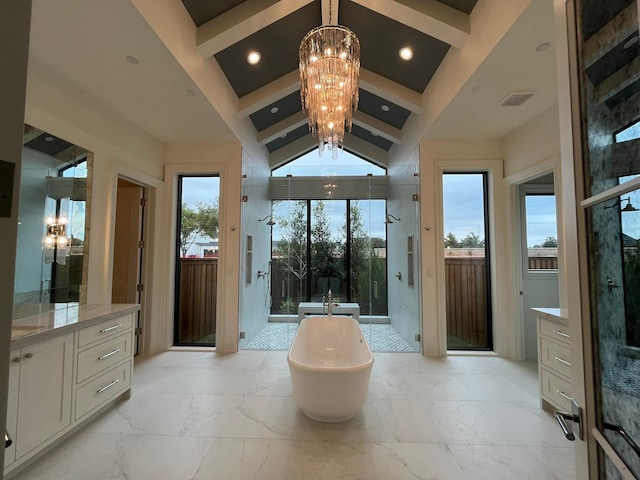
<point x="274" y="110"/>
<point x="253" y="58"/>
<point x="132" y="60"/>
<point x="48" y="138"/>
<point x="384" y="108"/>
<point x="190" y="92"/>
<point x="542" y="47"/>
<point x="406" y="53"/>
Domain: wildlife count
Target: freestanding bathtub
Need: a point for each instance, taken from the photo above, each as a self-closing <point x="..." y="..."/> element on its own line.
<point x="330" y="364"/>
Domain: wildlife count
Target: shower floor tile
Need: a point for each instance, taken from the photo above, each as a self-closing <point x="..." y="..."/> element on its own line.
<point x="381" y="338"/>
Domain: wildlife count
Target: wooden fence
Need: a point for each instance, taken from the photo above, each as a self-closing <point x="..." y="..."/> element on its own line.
<point x="197" y="309"/>
<point x="543" y="263"/>
<point x="466" y="287"/>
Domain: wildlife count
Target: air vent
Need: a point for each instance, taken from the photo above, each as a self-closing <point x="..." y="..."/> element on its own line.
<point x="513" y="99"/>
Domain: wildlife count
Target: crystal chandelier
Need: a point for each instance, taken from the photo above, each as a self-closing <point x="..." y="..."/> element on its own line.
<point x="329" y="73"/>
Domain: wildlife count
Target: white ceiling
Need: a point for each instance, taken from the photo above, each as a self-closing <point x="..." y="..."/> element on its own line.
<point x="88" y="41"/>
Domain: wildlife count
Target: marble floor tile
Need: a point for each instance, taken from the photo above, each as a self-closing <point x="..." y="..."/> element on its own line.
<point x="415" y="461"/>
<point x="507" y="463"/>
<point x="200" y="416"/>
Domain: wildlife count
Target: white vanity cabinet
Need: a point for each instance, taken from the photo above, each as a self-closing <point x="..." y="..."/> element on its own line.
<point x="64" y="374"/>
<point x="554" y="360"/>
<point x="40" y="393"/>
<point x="104" y="357"/>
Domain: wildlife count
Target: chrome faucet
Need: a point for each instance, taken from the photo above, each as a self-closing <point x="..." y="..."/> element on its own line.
<point x="329" y="303"/>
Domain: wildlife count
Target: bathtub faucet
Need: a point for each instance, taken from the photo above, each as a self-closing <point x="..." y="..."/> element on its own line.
<point x="330" y="303"/>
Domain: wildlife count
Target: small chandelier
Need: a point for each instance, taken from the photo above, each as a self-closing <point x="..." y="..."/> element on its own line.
<point x="329" y="73"/>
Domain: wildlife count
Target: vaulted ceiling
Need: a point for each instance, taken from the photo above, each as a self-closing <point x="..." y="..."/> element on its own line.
<point x="118" y="55"/>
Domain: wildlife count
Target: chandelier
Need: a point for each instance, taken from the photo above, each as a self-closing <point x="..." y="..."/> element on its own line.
<point x="329" y="73"/>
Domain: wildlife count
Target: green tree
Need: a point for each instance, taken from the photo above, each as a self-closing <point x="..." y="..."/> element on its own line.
<point x="472" y="241"/>
<point x="550" y="242"/>
<point x="189" y="229"/>
<point x="450" y="241"/>
<point x="194" y="223"/>
<point x="293" y="246"/>
<point x="326" y="258"/>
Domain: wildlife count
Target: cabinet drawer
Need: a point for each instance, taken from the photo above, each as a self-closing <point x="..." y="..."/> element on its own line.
<point x="556" y="390"/>
<point x="555" y="356"/>
<point x="104" y="388"/>
<point x="103" y="356"/>
<point x="557" y="331"/>
<point x="104" y="330"/>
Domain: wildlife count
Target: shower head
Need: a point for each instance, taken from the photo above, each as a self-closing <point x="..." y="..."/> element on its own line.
<point x="270" y="222"/>
<point x="389" y="217"/>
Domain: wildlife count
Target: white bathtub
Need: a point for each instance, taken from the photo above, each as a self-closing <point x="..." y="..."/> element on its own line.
<point x="330" y="364"/>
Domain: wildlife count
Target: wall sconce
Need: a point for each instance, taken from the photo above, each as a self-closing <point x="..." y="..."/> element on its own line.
<point x="56" y="232"/>
<point x="57" y="244"/>
<point x="627" y="208"/>
<point x="389" y="217"/>
<point x="270" y="222"/>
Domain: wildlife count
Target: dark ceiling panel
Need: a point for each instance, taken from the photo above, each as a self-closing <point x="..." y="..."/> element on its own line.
<point x="278" y="45"/>
<point x="286" y="106"/>
<point x="372" y="105"/>
<point x="202" y="11"/>
<point x="292" y="136"/>
<point x="365" y="134"/>
<point x="614" y="60"/>
<point x="595" y="15"/>
<point x="48" y="144"/>
<point x="623" y="95"/>
<point x="382" y="38"/>
<point x="465" y="6"/>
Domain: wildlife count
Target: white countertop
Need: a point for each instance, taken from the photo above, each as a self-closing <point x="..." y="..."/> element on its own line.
<point x="65" y="318"/>
<point x="554" y="314"/>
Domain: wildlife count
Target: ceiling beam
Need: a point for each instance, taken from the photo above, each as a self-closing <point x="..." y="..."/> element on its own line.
<point x="376" y="126"/>
<point x="238" y="23"/>
<point x="330" y="12"/>
<point x="282" y="127"/>
<point x="430" y="17"/>
<point x="279" y="88"/>
<point x="611" y="35"/>
<point x="390" y="90"/>
<point x="617" y="82"/>
<point x="292" y="151"/>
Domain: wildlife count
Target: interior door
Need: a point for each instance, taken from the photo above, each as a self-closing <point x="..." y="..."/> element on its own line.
<point x="128" y="244"/>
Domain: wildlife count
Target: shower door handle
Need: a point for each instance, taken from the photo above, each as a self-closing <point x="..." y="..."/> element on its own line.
<point x="375" y="289"/>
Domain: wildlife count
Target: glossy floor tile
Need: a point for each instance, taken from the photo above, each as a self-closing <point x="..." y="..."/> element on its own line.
<point x="203" y="416"/>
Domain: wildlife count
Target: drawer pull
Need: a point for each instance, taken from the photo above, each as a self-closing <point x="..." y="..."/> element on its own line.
<point x="562" y="334"/>
<point x="107" y="355"/>
<point x="28" y="355"/>
<point x="562" y="360"/>
<point x="105" y="330"/>
<point x="560" y="392"/>
<point x="108" y="386"/>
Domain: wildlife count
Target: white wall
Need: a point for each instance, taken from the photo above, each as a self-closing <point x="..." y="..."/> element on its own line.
<point x="436" y="157"/>
<point x="530" y="151"/>
<point x="226" y="160"/>
<point x="404" y="300"/>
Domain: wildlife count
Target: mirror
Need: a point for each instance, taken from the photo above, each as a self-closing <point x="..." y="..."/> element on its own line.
<point x="53" y="221"/>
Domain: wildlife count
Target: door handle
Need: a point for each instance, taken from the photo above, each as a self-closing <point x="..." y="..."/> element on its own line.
<point x="575" y="416"/>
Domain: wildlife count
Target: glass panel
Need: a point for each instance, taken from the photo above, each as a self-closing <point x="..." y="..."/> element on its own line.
<point x="197" y="261"/>
<point x="610" y="89"/>
<point x="328" y="250"/>
<point x="368" y="257"/>
<point x="542" y="236"/>
<point x="466" y="266"/>
<point x="311" y="165"/>
<point x="615" y="266"/>
<point x="290" y="266"/>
